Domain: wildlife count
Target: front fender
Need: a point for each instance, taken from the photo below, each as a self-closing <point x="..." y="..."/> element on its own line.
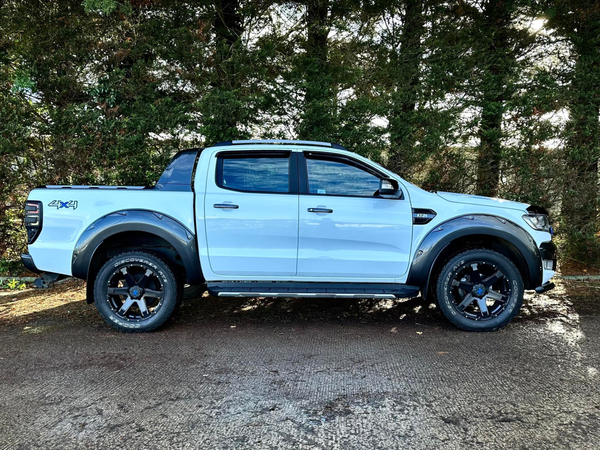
<point x="426" y="255"/>
<point x="176" y="234"/>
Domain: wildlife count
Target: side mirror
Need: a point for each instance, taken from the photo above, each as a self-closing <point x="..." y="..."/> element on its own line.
<point x="389" y="188"/>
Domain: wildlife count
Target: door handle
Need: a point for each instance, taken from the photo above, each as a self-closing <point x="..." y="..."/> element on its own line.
<point x="225" y="206"/>
<point x="320" y="210"/>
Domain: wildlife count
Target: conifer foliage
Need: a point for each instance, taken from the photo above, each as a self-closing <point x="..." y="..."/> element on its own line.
<point x="493" y="97"/>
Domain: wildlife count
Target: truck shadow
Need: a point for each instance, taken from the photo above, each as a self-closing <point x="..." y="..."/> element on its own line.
<point x="562" y="305"/>
<point x="65" y="305"/>
<point x="308" y="310"/>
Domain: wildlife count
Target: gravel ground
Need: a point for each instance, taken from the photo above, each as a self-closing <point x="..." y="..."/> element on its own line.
<point x="321" y="373"/>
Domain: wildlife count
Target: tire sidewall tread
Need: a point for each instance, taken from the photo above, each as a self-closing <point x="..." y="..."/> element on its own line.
<point x="168" y="278"/>
<point x="445" y="301"/>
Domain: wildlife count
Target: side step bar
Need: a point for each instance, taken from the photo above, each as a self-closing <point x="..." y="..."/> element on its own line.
<point x="313" y="290"/>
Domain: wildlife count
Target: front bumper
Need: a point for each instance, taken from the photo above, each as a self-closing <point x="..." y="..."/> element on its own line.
<point x="548" y="253"/>
<point x="29" y="264"/>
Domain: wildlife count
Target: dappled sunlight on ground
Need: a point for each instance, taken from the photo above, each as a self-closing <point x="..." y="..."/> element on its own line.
<point x="377" y="373"/>
<point x="556" y="310"/>
<point x="18" y="307"/>
<point x="559" y="310"/>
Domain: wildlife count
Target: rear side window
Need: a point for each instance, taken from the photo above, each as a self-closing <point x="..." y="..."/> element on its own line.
<point x="338" y="178"/>
<point x="267" y="174"/>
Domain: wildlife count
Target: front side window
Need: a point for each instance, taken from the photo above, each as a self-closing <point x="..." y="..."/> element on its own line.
<point x="328" y="177"/>
<point x="254" y="174"/>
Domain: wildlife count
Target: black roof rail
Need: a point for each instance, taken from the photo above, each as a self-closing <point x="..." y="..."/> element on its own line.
<point x="280" y="142"/>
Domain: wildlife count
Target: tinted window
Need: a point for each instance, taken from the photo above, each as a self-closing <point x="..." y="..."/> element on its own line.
<point x="258" y="174"/>
<point x="337" y="178"/>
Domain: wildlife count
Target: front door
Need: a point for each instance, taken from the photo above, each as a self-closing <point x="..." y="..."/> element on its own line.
<point x="251" y="214"/>
<point x="347" y="232"/>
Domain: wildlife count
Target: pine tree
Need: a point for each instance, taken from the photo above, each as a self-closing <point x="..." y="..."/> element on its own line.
<point x="579" y="22"/>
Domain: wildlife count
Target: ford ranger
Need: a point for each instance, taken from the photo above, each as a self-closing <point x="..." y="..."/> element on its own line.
<point x="288" y="219"/>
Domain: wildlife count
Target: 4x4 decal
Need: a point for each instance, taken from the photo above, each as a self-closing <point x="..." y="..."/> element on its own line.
<point x="60" y="204"/>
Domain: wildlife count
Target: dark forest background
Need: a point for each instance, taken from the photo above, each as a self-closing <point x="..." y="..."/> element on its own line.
<point x="493" y="97"/>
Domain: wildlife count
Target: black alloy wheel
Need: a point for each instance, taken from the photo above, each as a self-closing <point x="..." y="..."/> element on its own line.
<point x="480" y="290"/>
<point x="136" y="291"/>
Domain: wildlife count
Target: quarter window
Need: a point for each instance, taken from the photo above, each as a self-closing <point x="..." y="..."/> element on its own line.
<point x="328" y="177"/>
<point x="254" y="174"/>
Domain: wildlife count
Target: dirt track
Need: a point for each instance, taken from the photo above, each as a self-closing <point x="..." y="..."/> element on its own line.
<point x="300" y="373"/>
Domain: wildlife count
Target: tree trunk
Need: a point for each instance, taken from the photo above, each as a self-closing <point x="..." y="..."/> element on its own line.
<point x="228" y="29"/>
<point x="494" y="94"/>
<point x="581" y="190"/>
<point x="317" y="117"/>
<point x="406" y="67"/>
<point x="490" y="148"/>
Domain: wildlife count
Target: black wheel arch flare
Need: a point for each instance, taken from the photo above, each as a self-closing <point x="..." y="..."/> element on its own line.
<point x="426" y="256"/>
<point x="176" y="234"/>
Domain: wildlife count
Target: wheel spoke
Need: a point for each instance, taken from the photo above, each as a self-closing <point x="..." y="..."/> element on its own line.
<point x="153" y="294"/>
<point x="118" y="291"/>
<point x="128" y="278"/>
<point x="483" y="290"/>
<point x="144" y="280"/>
<point x="126" y="305"/>
<point x="475" y="275"/>
<point x="466" y="302"/>
<point x="489" y="281"/>
<point x="143" y="307"/>
<point x="467" y="287"/>
<point x="498" y="296"/>
<point x="481" y="302"/>
<point x="127" y="287"/>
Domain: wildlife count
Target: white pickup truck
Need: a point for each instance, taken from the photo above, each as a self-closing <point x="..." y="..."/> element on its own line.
<point x="288" y="219"/>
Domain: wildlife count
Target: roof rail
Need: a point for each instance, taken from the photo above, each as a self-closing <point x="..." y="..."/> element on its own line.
<point x="279" y="141"/>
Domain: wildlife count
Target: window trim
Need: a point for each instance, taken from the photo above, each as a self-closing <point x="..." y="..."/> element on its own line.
<point x="292" y="168"/>
<point x="344" y="159"/>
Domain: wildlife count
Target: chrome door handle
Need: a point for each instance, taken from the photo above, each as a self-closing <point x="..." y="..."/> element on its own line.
<point x="225" y="206"/>
<point x="320" y="210"/>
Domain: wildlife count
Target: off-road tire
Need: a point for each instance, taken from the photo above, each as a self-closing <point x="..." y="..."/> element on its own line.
<point x="447" y="302"/>
<point x="161" y="270"/>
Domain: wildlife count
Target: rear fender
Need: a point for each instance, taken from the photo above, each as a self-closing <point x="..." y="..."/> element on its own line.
<point x="165" y="227"/>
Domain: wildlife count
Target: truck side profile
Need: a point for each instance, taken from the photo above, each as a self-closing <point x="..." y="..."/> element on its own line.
<point x="288" y="219"/>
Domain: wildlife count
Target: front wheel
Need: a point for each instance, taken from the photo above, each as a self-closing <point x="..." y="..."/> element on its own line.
<point x="480" y="290"/>
<point x="136" y="292"/>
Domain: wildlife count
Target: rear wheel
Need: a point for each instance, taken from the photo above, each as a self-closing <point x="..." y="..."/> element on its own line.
<point x="480" y="290"/>
<point x="136" y="292"/>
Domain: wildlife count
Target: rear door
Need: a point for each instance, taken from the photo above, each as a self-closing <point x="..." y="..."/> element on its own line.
<point x="347" y="232"/>
<point x="251" y="214"/>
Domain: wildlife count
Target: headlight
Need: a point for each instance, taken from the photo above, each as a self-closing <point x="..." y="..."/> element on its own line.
<point x="538" y="221"/>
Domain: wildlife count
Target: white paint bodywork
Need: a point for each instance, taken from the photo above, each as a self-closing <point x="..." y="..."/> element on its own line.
<point x="52" y="251"/>
<point x="272" y="236"/>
